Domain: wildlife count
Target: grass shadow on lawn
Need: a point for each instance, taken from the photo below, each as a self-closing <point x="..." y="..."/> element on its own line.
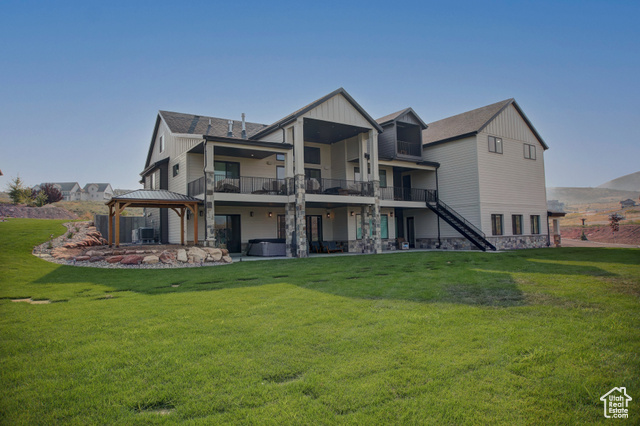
<point x="459" y="278"/>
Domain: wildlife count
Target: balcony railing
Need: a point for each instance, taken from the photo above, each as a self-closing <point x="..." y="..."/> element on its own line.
<point x="243" y="185"/>
<point x="406" y="194"/>
<point x="195" y="187"/>
<point x="410" y="148"/>
<point x="339" y="187"/>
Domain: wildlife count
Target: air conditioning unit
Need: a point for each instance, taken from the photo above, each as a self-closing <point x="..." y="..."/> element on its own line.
<point x="146" y="235"/>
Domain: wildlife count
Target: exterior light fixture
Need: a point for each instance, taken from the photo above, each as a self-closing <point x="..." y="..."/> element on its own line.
<point x="328" y="214"/>
<point x="270" y="214"/>
<point x="251" y="214"/>
<point x="391" y="214"/>
<point x="352" y="213"/>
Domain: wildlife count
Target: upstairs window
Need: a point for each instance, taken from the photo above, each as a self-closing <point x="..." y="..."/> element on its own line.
<point x="279" y="157"/>
<point x="383" y="178"/>
<point x="161" y="143"/>
<point x="495" y="144"/>
<point x="529" y="151"/>
<point x="311" y="155"/>
<point x="176" y="169"/>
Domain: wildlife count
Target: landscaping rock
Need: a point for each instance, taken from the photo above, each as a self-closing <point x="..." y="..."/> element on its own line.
<point x="167" y="257"/>
<point x="227" y="259"/>
<point x="197" y="254"/>
<point x="96" y="259"/>
<point x="225" y="252"/>
<point x="150" y="260"/>
<point x="82" y="258"/>
<point x="114" y="259"/>
<point x="216" y="254"/>
<point x="182" y="255"/>
<point x="132" y="259"/>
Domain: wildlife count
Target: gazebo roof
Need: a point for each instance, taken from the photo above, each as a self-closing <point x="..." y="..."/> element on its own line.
<point x="155" y="195"/>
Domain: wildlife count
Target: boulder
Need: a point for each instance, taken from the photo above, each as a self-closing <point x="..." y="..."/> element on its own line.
<point x="150" y="260"/>
<point x="114" y="259"/>
<point x="198" y="254"/>
<point x="82" y="258"/>
<point x="132" y="259"/>
<point x="182" y="255"/>
<point x="167" y="257"/>
<point x="225" y="252"/>
<point x="96" y="259"/>
<point x="227" y="259"/>
<point x="216" y="254"/>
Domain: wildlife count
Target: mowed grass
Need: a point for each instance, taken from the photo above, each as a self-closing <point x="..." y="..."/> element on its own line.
<point x="527" y="337"/>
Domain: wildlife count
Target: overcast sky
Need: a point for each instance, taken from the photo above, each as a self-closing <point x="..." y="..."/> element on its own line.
<point x="81" y="82"/>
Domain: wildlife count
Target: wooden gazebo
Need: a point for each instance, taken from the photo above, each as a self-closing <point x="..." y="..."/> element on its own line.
<point x="160" y="198"/>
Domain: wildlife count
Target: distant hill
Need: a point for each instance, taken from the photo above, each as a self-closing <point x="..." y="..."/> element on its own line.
<point x="573" y="196"/>
<point x="630" y="182"/>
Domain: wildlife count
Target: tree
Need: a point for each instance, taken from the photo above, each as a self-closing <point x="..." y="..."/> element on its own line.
<point x="53" y="194"/>
<point x="614" y="223"/>
<point x="40" y="199"/>
<point x="18" y="192"/>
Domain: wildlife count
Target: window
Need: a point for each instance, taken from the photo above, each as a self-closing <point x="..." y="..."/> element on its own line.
<point x="529" y="151"/>
<point x="357" y="175"/>
<point x="279" y="172"/>
<point x="176" y="169"/>
<point x="226" y="170"/>
<point x="311" y="155"/>
<point x="280" y="157"/>
<point x="495" y="145"/>
<point x="383" y="178"/>
<point x="384" y="226"/>
<point x="516" y="223"/>
<point x="312" y="174"/>
<point x="496" y="224"/>
<point x="161" y="143"/>
<point x="535" y="224"/>
<point x="282" y="227"/>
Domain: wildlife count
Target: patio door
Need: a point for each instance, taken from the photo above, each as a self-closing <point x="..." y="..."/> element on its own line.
<point x="227" y="232"/>
<point x="406" y="187"/>
<point x="314" y="228"/>
<point x="411" y="236"/>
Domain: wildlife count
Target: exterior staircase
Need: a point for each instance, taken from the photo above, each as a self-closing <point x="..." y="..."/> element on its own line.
<point x="459" y="223"/>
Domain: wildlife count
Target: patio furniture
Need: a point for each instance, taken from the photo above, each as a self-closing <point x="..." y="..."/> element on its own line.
<point x="332" y="247"/>
<point x="315" y="246"/>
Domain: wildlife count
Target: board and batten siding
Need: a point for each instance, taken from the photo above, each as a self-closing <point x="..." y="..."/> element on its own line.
<point x="509" y="183"/>
<point x="177" y="184"/>
<point x="458" y="181"/>
<point x="387" y="142"/>
<point x="275" y="136"/>
<point x="338" y="110"/>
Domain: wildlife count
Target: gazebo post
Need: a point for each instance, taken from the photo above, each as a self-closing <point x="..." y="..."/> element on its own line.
<point x="194" y="209"/>
<point x="110" y="225"/>
<point x="182" y="225"/>
<point x="117" y="224"/>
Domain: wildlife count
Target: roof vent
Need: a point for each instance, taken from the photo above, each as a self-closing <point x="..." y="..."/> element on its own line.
<point x="230" y="131"/>
<point x="244" y="128"/>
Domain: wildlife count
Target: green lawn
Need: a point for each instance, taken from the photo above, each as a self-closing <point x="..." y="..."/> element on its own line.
<point x="527" y="337"/>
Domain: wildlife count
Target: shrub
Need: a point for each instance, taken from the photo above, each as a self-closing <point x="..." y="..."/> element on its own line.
<point x="53" y="194"/>
<point x="40" y="199"/>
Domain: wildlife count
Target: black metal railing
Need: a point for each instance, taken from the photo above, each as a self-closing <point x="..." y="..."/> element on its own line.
<point x="410" y="148"/>
<point x="253" y="185"/>
<point x="405" y="194"/>
<point x="196" y="187"/>
<point x="460" y="218"/>
<point x="339" y="187"/>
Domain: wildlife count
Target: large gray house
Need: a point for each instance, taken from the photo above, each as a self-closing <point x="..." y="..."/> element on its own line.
<point x="330" y="176"/>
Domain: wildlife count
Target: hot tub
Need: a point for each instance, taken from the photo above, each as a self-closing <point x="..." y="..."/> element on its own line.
<point x="267" y="247"/>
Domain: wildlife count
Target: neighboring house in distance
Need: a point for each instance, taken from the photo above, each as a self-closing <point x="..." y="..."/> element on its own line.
<point x="329" y="174"/>
<point x="97" y="192"/>
<point x="70" y="191"/>
<point x="627" y="203"/>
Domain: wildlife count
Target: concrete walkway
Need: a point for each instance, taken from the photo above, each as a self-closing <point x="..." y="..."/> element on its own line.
<point x="567" y="242"/>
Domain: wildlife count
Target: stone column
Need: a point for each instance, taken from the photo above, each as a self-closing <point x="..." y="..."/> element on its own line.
<point x="290" y="227"/>
<point x="300" y="189"/>
<point x="210" y="182"/>
<point x="366" y="239"/>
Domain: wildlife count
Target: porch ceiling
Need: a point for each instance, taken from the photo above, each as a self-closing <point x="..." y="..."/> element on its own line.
<point x="319" y="131"/>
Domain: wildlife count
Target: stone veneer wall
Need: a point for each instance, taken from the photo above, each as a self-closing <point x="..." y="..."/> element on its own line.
<point x="501" y="243"/>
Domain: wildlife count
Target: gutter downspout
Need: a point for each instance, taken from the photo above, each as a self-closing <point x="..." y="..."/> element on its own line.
<point x="204" y="174"/>
<point x="437" y="198"/>
<point x="548" y="232"/>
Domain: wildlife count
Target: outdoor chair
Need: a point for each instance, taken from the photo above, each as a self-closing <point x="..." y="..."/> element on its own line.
<point x="315" y="246"/>
<point x="332" y="247"/>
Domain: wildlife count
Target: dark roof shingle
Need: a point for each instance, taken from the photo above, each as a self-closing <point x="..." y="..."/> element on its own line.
<point x="203" y="125"/>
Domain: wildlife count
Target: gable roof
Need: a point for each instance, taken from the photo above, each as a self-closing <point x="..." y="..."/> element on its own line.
<point x="294" y="115"/>
<point x="470" y="123"/>
<point x="101" y="186"/>
<point x="199" y="126"/>
<point x="392" y="117"/>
